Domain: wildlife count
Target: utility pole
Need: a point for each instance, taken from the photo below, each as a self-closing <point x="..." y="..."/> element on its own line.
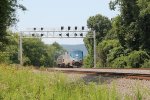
<point x="20" y="50"/>
<point x="94" y="37"/>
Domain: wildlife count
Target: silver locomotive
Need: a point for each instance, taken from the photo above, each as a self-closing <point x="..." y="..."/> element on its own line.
<point x="73" y="58"/>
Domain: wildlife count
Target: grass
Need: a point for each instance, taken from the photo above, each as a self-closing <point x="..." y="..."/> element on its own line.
<point x="24" y="84"/>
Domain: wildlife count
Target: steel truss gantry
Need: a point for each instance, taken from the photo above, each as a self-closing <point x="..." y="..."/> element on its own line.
<point x="56" y="33"/>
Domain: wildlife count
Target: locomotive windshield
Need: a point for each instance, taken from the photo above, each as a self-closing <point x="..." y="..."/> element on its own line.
<point x="76" y="54"/>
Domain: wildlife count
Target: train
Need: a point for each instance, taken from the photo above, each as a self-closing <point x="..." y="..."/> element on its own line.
<point x="71" y="59"/>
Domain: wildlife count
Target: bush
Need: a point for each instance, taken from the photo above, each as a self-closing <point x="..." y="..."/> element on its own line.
<point x="88" y="61"/>
<point x="115" y="53"/>
<point x="4" y="57"/>
<point x="137" y="58"/>
<point x="134" y="59"/>
<point x="146" y="64"/>
<point x="120" y="62"/>
<point x="103" y="50"/>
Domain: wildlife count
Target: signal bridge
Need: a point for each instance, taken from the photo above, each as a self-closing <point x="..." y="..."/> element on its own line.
<point x="56" y="33"/>
<point x="68" y="32"/>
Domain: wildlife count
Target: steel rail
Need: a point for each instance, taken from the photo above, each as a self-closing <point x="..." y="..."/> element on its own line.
<point x="128" y="75"/>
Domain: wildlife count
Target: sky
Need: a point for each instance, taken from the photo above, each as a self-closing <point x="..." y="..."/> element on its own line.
<point x="57" y="13"/>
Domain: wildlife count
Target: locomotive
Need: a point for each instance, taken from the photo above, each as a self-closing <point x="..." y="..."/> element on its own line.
<point x="71" y="59"/>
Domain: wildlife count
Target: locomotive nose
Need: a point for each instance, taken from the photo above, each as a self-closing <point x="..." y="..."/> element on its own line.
<point x="77" y="62"/>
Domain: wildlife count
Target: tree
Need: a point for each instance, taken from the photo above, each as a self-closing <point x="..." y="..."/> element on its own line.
<point x="10" y="55"/>
<point x="36" y="53"/>
<point x="132" y="28"/>
<point x="134" y="23"/>
<point x="101" y="25"/>
<point x="7" y="18"/>
<point x="144" y="23"/>
<point x="34" y="49"/>
<point x="52" y="53"/>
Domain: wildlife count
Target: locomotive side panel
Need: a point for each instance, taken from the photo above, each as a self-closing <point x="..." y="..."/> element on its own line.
<point x="60" y="61"/>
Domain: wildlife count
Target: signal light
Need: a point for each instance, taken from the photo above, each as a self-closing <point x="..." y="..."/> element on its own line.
<point x="42" y="28"/>
<point x="60" y="34"/>
<point x="75" y="34"/>
<point x="62" y="28"/>
<point x="34" y="29"/>
<point x="76" y="28"/>
<point x="81" y="34"/>
<point x="82" y="27"/>
<point x="33" y="34"/>
<point x="69" y="27"/>
<point x="42" y="35"/>
<point x="67" y="34"/>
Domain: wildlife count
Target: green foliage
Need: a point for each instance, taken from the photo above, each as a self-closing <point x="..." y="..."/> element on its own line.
<point x="103" y="49"/>
<point x="10" y="55"/>
<point x="34" y="50"/>
<point x="4" y="57"/>
<point x="101" y="25"/>
<point x="129" y="10"/>
<point x="144" y="6"/>
<point x="126" y="41"/>
<point x="133" y="30"/>
<point x="8" y="18"/>
<point x="88" y="61"/>
<point x="115" y="53"/>
<point x="146" y="64"/>
<point x="22" y="84"/>
<point x="137" y="58"/>
<point x="120" y="62"/>
<point x="134" y="59"/>
<point x="38" y="54"/>
<point x="25" y="83"/>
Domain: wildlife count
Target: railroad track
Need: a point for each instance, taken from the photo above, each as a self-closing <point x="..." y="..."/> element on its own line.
<point x="140" y="74"/>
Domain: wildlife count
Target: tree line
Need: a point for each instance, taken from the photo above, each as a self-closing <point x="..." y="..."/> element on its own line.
<point x="123" y="41"/>
<point x="35" y="52"/>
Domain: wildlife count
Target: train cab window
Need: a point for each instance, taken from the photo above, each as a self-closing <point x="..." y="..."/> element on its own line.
<point x="76" y="54"/>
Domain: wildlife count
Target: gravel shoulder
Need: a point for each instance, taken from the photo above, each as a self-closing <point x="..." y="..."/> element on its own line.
<point x="127" y="87"/>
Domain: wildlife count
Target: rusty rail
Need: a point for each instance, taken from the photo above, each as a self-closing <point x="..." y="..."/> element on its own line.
<point x="128" y="75"/>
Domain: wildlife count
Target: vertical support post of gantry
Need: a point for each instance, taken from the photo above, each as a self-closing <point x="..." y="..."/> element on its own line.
<point x="94" y="37"/>
<point x="20" y="48"/>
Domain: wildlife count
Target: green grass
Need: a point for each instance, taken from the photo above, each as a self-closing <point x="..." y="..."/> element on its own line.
<point x="24" y="84"/>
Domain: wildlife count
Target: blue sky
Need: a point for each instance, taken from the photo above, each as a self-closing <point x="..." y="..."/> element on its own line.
<point x="56" y="13"/>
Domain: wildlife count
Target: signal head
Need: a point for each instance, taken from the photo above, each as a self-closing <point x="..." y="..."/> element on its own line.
<point x="62" y="28"/>
<point x="69" y="28"/>
<point x="75" y="28"/>
<point x="67" y="34"/>
<point x="42" y="35"/>
<point x="42" y="28"/>
<point x="33" y="34"/>
<point x="60" y="34"/>
<point x="82" y="27"/>
<point x="34" y="29"/>
<point x="81" y="34"/>
<point x="75" y="34"/>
